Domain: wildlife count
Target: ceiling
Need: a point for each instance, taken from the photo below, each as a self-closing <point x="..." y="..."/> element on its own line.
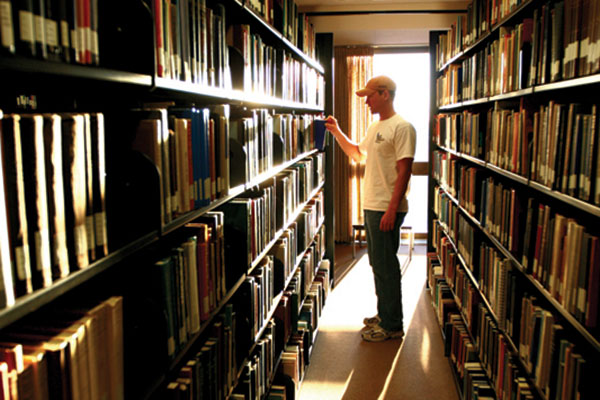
<point x="381" y="22"/>
<point x="371" y="2"/>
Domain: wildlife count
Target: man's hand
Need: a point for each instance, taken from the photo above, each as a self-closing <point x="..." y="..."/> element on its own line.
<point x="332" y="125"/>
<point x="387" y="221"/>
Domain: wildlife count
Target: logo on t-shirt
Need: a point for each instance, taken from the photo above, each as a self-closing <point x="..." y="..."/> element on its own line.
<point x="379" y="138"/>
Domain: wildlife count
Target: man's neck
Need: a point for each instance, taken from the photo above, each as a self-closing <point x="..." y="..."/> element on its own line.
<point x="387" y="114"/>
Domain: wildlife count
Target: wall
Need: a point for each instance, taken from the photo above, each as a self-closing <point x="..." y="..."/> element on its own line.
<point x="389" y="24"/>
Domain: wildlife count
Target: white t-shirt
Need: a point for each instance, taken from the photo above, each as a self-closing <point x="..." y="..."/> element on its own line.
<point x="386" y="143"/>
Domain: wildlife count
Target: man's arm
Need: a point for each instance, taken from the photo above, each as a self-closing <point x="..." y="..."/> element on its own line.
<point x="404" y="170"/>
<point x="348" y="146"/>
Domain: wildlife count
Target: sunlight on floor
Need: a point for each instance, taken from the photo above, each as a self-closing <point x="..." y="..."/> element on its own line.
<point x="352" y="300"/>
<point x="390" y="375"/>
<point x="425" y="359"/>
<point x="326" y="389"/>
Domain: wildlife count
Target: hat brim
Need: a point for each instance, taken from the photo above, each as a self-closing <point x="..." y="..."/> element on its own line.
<point x="364" y="92"/>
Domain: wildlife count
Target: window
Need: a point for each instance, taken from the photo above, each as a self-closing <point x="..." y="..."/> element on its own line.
<point x="410" y="70"/>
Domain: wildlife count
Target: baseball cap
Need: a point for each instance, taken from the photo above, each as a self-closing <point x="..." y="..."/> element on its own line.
<point x="374" y="84"/>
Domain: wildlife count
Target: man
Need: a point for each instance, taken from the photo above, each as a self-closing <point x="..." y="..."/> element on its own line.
<point x="389" y="149"/>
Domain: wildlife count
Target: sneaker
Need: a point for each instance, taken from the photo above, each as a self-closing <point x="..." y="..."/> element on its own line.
<point x="378" y="334"/>
<point x="371" y="321"/>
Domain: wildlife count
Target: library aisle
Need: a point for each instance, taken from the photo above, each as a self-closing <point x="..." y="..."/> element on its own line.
<point x="343" y="367"/>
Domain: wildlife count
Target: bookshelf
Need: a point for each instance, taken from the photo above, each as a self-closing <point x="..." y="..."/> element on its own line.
<point x="168" y="112"/>
<point x="513" y="210"/>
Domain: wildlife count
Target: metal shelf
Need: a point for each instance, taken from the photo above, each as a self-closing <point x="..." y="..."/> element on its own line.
<point x="31" y="302"/>
<point x="32" y="66"/>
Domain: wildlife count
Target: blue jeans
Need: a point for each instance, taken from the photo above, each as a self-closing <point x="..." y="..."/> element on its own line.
<point x="383" y="248"/>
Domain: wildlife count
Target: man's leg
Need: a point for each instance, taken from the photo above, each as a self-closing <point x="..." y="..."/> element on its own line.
<point x="382" y="250"/>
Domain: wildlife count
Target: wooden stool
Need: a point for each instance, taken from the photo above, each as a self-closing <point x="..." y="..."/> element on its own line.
<point x="356" y="228"/>
<point x="411" y="239"/>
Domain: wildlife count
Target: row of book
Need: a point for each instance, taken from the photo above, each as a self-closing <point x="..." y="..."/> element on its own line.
<point x="259" y="141"/>
<point x="259" y="367"/>
<point x="190" y="282"/>
<point x="480" y="352"/>
<point x="463" y="353"/>
<point x="253" y="220"/>
<point x="501" y="213"/>
<point x="52" y="195"/>
<point x="190" y="149"/>
<point x="211" y="372"/>
<point x="303" y="269"/>
<point x="509" y="133"/>
<point x="532" y="52"/>
<point x="68" y="352"/>
<point x="55" y="216"/>
<point x="565" y="150"/>
<point x="556" y="145"/>
<point x="252" y="147"/>
<point x="558" y="251"/>
<point x="462" y="132"/>
<point x="284" y="16"/>
<point x="300" y="248"/>
<point x="56" y="30"/>
<point x="224" y="367"/>
<point x="196" y="44"/>
<point x="193" y="43"/>
<point x="258" y="296"/>
<point x="295" y="355"/>
<point x="255" y="65"/>
<point x="266" y="70"/>
<point x="558" y="366"/>
<point x="536" y="47"/>
<point x="480" y="19"/>
<point x="491" y="348"/>
<point x="503" y="66"/>
<point x="565" y="41"/>
<point x="214" y="233"/>
<point x="202" y="153"/>
<point x="249" y="227"/>
<point x="535" y="327"/>
<point x="301" y="83"/>
<point x="563" y="255"/>
<point x="190" y="42"/>
<point x="446" y="170"/>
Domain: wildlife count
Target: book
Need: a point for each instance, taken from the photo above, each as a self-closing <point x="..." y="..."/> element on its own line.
<point x="163" y="276"/>
<point x="36" y="360"/>
<point x="56" y="195"/>
<point x="200" y="155"/>
<point x="7" y="291"/>
<point x="36" y="203"/>
<point x="15" y="203"/>
<point x="25" y="39"/>
<point x="320" y="134"/>
<point x="205" y="270"/>
<point x="98" y="184"/>
<point x="7" y="30"/>
<point x="150" y="139"/>
<point x="89" y="192"/>
<point x="215" y="222"/>
<point x="74" y="159"/>
<point x="220" y="113"/>
<point x="593" y="299"/>
<point x="556" y="40"/>
<point x="51" y="31"/>
<point x="238" y="238"/>
<point x="181" y="128"/>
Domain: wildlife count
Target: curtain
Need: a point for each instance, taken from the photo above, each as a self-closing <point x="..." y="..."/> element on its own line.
<point x="353" y="68"/>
